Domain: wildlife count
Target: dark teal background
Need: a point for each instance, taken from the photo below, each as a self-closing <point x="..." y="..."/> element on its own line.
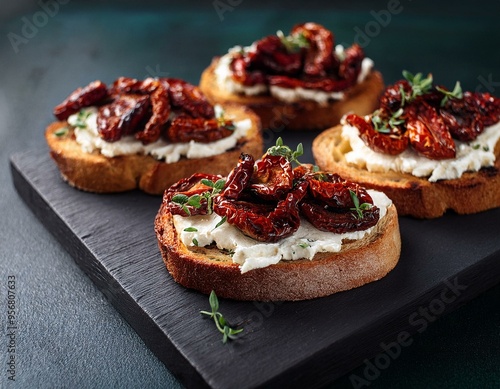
<point x="69" y="335"/>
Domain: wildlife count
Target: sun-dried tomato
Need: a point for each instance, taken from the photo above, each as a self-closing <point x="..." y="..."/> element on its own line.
<point x="304" y="59"/>
<point x="350" y="67"/>
<point x="331" y="190"/>
<point x="391" y="143"/>
<point x="338" y="222"/>
<point x="160" y="106"/>
<point x="184" y="189"/>
<point x="185" y="129"/>
<point x="428" y="134"/>
<point x="467" y="117"/>
<point x="392" y="98"/>
<point x="239" y="178"/>
<point x="121" y="117"/>
<point x="263" y="222"/>
<point x="188" y="98"/>
<point x="142" y="108"/>
<point x="319" y="59"/>
<point x="272" y="178"/>
<point x="93" y="94"/>
<point x="272" y="57"/>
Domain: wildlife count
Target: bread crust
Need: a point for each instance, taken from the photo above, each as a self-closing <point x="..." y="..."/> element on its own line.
<point x="302" y="115"/>
<point x="97" y="173"/>
<point x="414" y="196"/>
<point x="206" y="269"/>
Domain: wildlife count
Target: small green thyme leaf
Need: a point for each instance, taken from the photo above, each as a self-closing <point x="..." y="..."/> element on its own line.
<point x="195" y="242"/>
<point x="194" y="201"/>
<point x="219" y="184"/>
<point x="82" y="117"/>
<point x="221" y="222"/>
<point x="456" y="93"/>
<point x="476" y="146"/>
<point x="61" y="131"/>
<point x="180" y="199"/>
<point x="304" y="245"/>
<point x="191" y="229"/>
<point x="207" y="182"/>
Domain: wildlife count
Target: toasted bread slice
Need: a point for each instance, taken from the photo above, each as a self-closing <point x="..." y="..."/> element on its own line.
<point x="206" y="269"/>
<point x="473" y="192"/>
<point x="302" y="115"/>
<point x="95" y="172"/>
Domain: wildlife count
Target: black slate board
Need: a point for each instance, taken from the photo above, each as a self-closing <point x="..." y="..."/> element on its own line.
<point x="444" y="263"/>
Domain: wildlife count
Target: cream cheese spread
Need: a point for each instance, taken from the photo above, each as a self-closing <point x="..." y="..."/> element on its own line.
<point x="469" y="156"/>
<point x="251" y="254"/>
<point x="88" y="138"/>
<point x="226" y="82"/>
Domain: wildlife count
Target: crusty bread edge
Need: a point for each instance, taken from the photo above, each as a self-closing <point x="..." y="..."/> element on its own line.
<point x="473" y="192"/>
<point x="275" y="114"/>
<point x="94" y="172"/>
<point x="206" y="269"/>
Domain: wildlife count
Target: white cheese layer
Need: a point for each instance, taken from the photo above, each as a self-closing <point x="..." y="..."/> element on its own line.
<point x="88" y="137"/>
<point x="251" y="254"/>
<point x="226" y="82"/>
<point x="469" y="157"/>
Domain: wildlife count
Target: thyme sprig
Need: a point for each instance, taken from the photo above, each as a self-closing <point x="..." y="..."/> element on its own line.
<point x="358" y="208"/>
<point x="419" y="85"/>
<point x="293" y="43"/>
<point x="222" y="121"/>
<point x="386" y="126"/>
<point x="456" y="93"/>
<point x="196" y="199"/>
<point x="281" y="150"/>
<point x="220" y="322"/>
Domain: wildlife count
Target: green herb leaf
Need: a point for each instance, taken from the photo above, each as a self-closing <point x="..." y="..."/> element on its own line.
<point x="304" y="245"/>
<point x="180" y="199"/>
<point x="220" y="322"/>
<point x="221" y="222"/>
<point x="195" y="242"/>
<point x="284" y="151"/>
<point x="61" y="132"/>
<point x="358" y="208"/>
<point x="386" y="126"/>
<point x="419" y="84"/>
<point x="194" y="201"/>
<point x="223" y="122"/>
<point x="191" y="229"/>
<point x="293" y="43"/>
<point x="456" y="93"/>
<point x="219" y="184"/>
<point x="207" y="182"/>
<point x="81" y="118"/>
<point x="213" y="301"/>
